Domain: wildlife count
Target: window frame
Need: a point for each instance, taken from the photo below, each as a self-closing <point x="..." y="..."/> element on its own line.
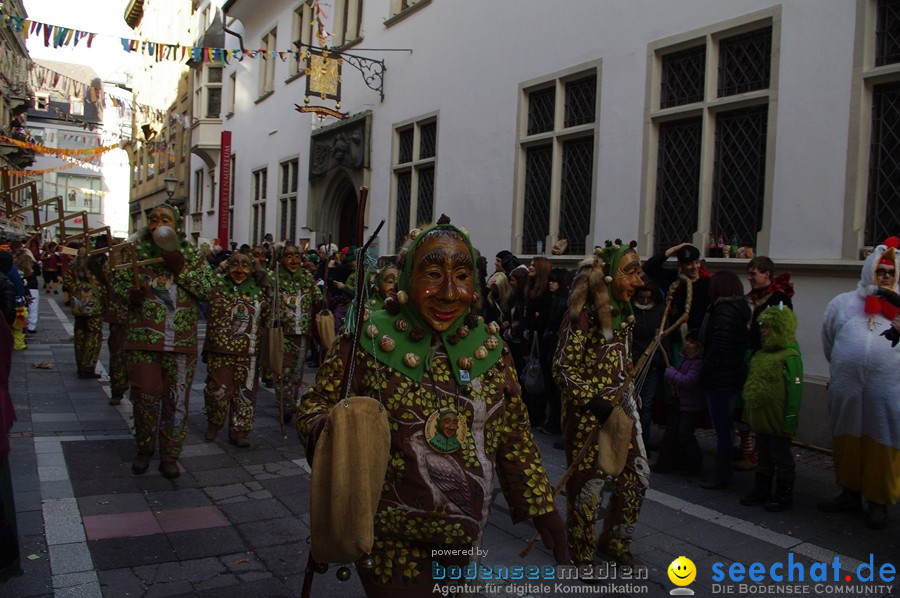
<point x="708" y="109"/>
<point x="347" y="22"/>
<point x="557" y="138"/>
<point x="301" y="30"/>
<point x="866" y="77"/>
<point x="269" y="43"/>
<point x="415" y="166"/>
<point x="259" y="192"/>
<point x="287" y="200"/>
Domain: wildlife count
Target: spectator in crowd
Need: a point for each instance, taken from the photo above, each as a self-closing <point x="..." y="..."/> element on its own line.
<point x="865" y="378"/>
<point x="766" y="290"/>
<point x="537" y="314"/>
<point x="648" y="312"/>
<point x="559" y="304"/>
<point x="498" y="260"/>
<point x="685" y="380"/>
<point x="29" y="269"/>
<point x="498" y="301"/>
<point x="691" y="277"/>
<point x="772" y="396"/>
<point x="9" y="535"/>
<point x="514" y="335"/>
<point x="725" y="339"/>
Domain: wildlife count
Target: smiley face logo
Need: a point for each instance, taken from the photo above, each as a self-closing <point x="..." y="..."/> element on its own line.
<point x="682" y="571"/>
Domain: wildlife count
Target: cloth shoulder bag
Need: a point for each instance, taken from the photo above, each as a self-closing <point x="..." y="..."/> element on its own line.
<point x="348" y="469"/>
<point x="613" y="441"/>
<point x="272" y="349"/>
<point x="325" y="327"/>
<point x="532" y="374"/>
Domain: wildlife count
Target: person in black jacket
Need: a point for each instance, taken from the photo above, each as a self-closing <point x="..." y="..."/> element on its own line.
<point x="7" y="289"/>
<point x="648" y="311"/>
<point x="688" y="271"/>
<point x="725" y="336"/>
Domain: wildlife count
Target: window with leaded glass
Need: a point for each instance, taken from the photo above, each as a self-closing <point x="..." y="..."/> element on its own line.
<point x="683" y="76"/>
<point x="415" y="150"/>
<point x="287" y="200"/>
<point x="887" y="32"/>
<point x="740" y="174"/>
<point x="745" y="62"/>
<point x="732" y="203"/>
<point x="556" y="163"/>
<point x="677" y="182"/>
<point x="882" y="215"/>
<point x="258" y="206"/>
<point x="540" y="111"/>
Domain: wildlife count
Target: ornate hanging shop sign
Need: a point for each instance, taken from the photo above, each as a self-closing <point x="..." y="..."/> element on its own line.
<point x="323" y="80"/>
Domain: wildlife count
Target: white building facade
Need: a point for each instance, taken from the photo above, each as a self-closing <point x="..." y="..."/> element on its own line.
<point x="528" y="122"/>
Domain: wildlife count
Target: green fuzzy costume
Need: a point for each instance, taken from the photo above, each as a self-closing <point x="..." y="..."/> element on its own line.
<point x="774" y="384"/>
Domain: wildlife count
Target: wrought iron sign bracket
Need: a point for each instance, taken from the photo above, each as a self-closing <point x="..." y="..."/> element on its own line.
<point x="372" y="70"/>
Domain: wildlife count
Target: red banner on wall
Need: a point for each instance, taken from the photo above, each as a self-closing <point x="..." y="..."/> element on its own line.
<point x="224" y="188"/>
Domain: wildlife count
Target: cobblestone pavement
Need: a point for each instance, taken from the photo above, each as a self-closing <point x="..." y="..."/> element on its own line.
<point x="236" y="522"/>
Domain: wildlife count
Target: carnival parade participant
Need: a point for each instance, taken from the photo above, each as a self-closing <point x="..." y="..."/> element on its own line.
<point x="384" y="286"/>
<point x="590" y="367"/>
<point x="237" y="305"/>
<point x="117" y="317"/>
<point x="85" y="283"/>
<point x="161" y="340"/>
<point x="295" y="294"/>
<point x="865" y="376"/>
<point x="456" y="416"/>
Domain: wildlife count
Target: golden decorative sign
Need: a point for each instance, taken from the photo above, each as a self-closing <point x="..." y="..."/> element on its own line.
<point x="323" y="75"/>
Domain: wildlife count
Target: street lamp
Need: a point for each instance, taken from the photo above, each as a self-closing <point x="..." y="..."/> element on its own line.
<point x="171" y="182"/>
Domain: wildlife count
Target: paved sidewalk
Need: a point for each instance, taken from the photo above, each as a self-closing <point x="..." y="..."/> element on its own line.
<point x="236" y="522"/>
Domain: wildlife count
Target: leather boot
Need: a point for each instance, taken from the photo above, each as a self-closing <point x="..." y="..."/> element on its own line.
<point x="169" y="469"/>
<point x="211" y="432"/>
<point x="847" y="501"/>
<point x="721" y="474"/>
<point x="239" y="439"/>
<point x="140" y="464"/>
<point x="761" y="493"/>
<point x="783" y="499"/>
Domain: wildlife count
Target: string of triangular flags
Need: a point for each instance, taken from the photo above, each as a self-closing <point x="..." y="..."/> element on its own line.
<point x="58" y="36"/>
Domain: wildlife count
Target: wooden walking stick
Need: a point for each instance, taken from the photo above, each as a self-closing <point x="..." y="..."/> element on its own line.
<point x="311" y="566"/>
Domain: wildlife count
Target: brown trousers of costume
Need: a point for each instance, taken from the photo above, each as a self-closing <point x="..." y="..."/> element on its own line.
<point x="160" y="389"/>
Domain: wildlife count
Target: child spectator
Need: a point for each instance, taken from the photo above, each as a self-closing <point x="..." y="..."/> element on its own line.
<point x="685" y="380"/>
<point x="771" y="403"/>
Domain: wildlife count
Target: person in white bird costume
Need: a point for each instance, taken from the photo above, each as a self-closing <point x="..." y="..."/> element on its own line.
<point x="864" y="392"/>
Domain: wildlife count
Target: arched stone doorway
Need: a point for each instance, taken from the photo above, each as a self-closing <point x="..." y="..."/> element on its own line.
<point x="339" y="214"/>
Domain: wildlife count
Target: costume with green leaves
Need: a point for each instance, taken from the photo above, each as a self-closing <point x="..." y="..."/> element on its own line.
<point x="161" y="339"/>
<point x="404" y="341"/>
<point x="434" y="498"/>
<point x="590" y="366"/>
<point x="774" y="385"/>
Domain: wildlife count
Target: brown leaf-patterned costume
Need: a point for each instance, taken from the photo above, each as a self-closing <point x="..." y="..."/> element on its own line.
<point x="236" y="316"/>
<point x="432" y="500"/>
<point x="161" y="344"/>
<point x="587" y="366"/>
<point x="88" y="299"/>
